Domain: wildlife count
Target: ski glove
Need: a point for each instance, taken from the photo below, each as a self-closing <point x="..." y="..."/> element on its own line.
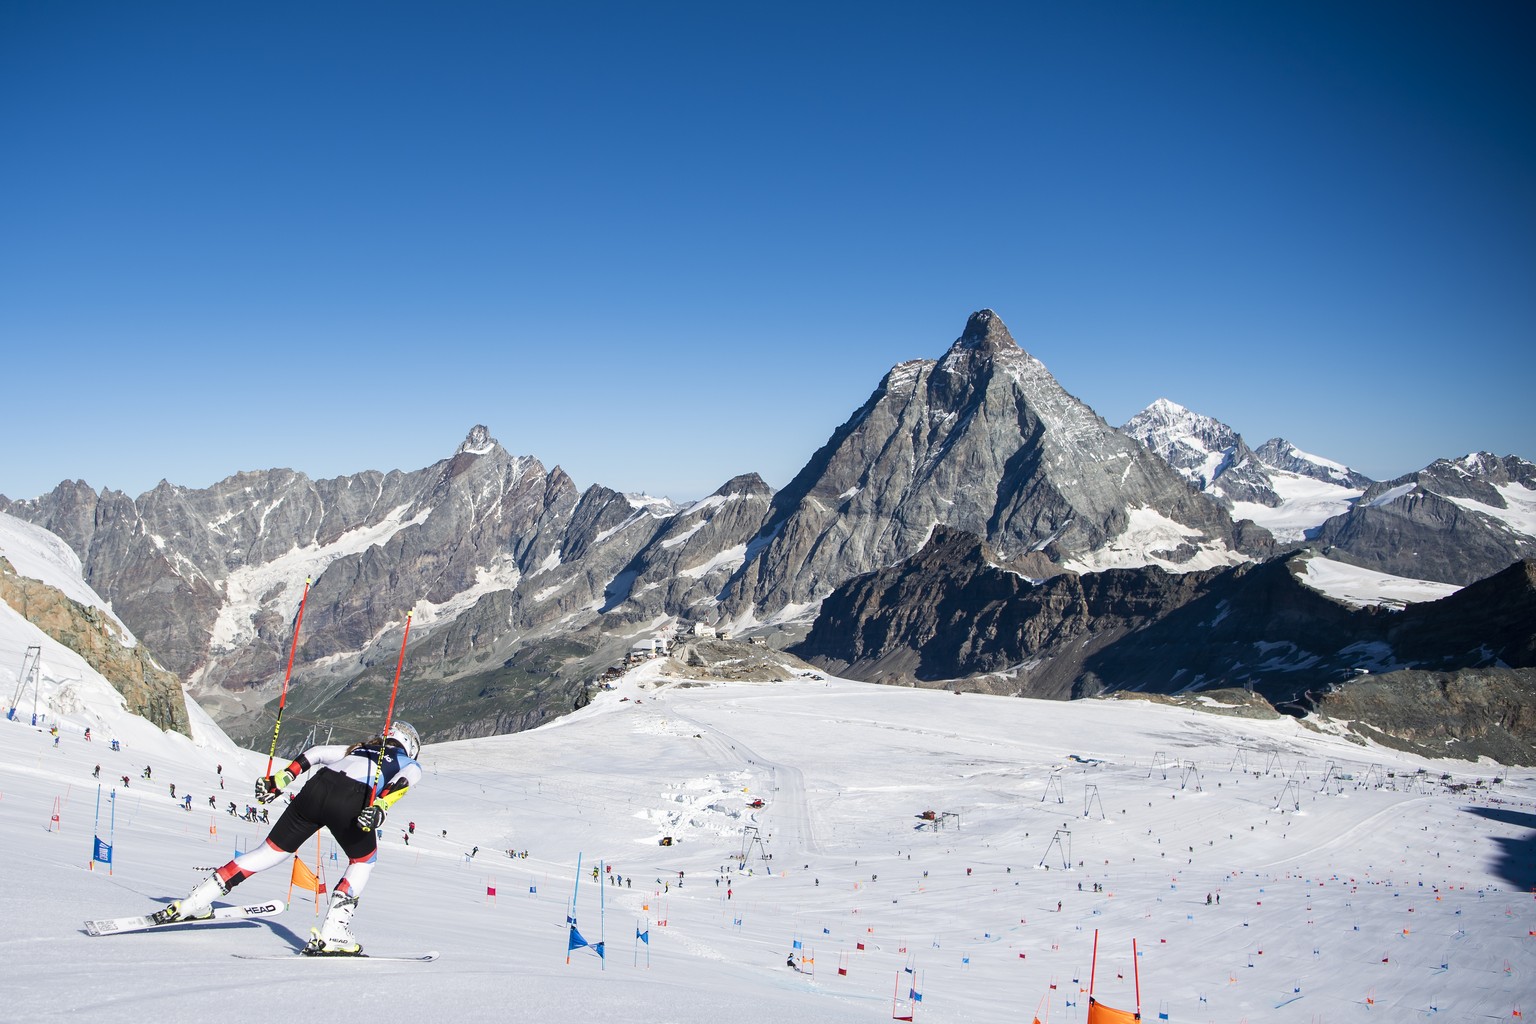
<point x="268" y="788"/>
<point x="370" y="818"/>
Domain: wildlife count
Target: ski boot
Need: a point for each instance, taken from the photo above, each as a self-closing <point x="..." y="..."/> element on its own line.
<point x="197" y="903"/>
<point x="334" y="937"/>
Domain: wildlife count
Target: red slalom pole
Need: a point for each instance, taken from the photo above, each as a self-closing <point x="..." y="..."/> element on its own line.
<point x="1093" y="964"/>
<point x="389" y="716"/>
<point x="282" y="701"/>
<point x="1136" y="973"/>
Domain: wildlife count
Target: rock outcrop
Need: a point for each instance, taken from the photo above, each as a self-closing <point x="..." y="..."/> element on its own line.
<point x="148" y="689"/>
<point x="1465" y="714"/>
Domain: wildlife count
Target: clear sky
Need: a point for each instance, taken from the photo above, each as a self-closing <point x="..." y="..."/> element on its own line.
<point x="662" y="244"/>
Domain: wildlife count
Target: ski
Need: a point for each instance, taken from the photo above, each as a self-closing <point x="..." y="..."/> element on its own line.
<point x="144" y="922"/>
<point x="403" y="958"/>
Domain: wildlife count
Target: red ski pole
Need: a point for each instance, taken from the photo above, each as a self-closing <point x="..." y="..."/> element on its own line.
<point x="389" y="716"/>
<point x="282" y="701"/>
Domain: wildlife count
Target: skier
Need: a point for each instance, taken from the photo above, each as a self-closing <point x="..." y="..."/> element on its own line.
<point x="349" y="795"/>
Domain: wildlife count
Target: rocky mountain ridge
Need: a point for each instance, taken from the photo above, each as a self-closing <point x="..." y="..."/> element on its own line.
<point x="524" y="587"/>
<point x="955" y="617"/>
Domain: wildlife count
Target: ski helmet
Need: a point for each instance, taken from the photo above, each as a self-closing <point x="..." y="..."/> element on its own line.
<point x="403" y="734"/>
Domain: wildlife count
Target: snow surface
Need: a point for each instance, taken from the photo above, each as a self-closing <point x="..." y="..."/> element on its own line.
<point x="1360" y="587"/>
<point x="1337" y="468"/>
<point x="1364" y="892"/>
<point x="1520" y="511"/>
<point x="246" y="586"/>
<point x="1149" y="539"/>
<point x="1382" y="896"/>
<point x="1391" y="494"/>
<point x="1305" y="504"/>
<point x="730" y="559"/>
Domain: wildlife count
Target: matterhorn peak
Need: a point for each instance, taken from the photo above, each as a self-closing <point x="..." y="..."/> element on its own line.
<point x="986" y="330"/>
<point x="479" y="441"/>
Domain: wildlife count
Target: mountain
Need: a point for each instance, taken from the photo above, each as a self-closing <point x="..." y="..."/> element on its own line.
<point x="524" y="589"/>
<point x="984" y="440"/>
<point x="1205" y="451"/>
<point x="1278" y="486"/>
<point x="1455" y="521"/>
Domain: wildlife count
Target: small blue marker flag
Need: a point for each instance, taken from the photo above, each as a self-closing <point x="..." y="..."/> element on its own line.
<point x="103" y="851"/>
<point x="643" y="936"/>
<point x="797" y="944"/>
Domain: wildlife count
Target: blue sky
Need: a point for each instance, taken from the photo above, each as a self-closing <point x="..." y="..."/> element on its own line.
<point x="663" y="244"/>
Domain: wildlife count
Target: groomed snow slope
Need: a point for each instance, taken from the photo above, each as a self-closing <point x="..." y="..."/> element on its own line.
<point x="1367" y="902"/>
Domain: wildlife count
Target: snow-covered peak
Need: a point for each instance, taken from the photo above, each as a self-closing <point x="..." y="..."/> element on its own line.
<point x="1167" y="424"/>
<point x="1278" y="453"/>
<point x="1200" y="447"/>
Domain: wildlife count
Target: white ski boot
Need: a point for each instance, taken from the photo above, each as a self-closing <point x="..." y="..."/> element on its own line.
<point x="197" y="903"/>
<point x="334" y="937"/>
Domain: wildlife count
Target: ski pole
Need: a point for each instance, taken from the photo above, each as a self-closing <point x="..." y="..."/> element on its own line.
<point x="282" y="701"/>
<point x="389" y="716"/>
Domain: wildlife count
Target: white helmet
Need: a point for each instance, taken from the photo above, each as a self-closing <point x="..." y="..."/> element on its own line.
<point x="405" y="735"/>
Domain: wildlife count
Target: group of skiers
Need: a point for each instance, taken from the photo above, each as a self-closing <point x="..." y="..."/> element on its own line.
<point x="147" y="772"/>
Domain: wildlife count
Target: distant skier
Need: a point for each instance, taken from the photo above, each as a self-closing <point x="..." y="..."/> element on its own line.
<point x="348" y="796"/>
